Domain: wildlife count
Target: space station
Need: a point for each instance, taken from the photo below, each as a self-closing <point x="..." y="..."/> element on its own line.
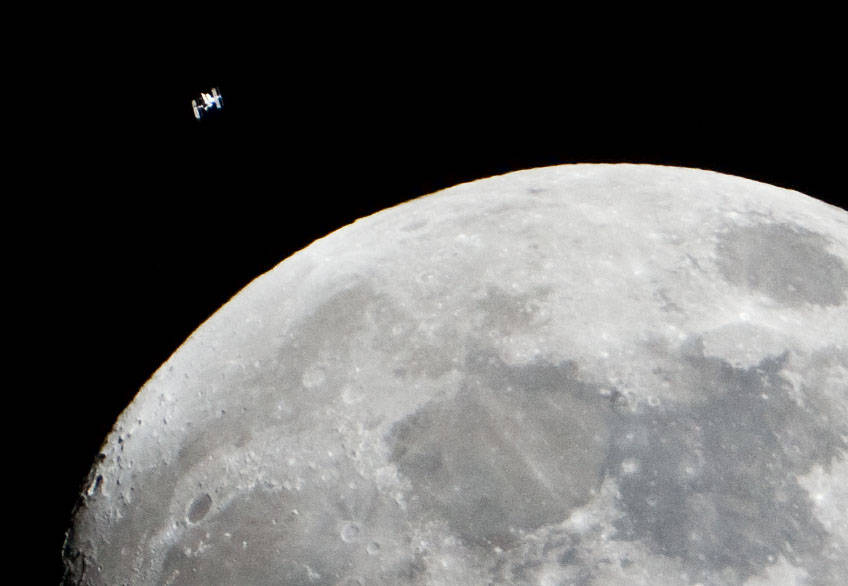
<point x="208" y="101"/>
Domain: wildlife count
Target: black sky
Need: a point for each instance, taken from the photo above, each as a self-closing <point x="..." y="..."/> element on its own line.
<point x="167" y="217"/>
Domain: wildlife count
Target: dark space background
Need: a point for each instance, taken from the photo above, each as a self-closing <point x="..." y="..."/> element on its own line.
<point x="162" y="218"/>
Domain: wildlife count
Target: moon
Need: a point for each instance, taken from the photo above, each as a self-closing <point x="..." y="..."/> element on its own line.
<point x="579" y="374"/>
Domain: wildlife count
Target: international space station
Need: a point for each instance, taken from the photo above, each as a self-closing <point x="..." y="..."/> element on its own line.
<point x="210" y="100"/>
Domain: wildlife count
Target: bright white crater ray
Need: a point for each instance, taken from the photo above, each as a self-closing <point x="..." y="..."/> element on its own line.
<point x="583" y="374"/>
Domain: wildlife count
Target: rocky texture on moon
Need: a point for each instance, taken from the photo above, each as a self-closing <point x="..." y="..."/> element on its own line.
<point x="583" y="374"/>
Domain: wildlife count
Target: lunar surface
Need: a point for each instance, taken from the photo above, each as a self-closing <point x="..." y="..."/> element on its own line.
<point x="582" y="374"/>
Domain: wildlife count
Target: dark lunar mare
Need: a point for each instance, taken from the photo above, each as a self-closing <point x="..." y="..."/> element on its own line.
<point x="514" y="450"/>
<point x="717" y="484"/>
<point x="784" y="261"/>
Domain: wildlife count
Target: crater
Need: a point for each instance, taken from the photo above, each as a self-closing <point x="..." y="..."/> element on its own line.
<point x="199" y="508"/>
<point x="414" y="225"/>
<point x="507" y="313"/>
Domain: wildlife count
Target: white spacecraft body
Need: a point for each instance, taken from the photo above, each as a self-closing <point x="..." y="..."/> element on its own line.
<point x="210" y="100"/>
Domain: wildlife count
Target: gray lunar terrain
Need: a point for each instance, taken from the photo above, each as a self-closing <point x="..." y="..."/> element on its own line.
<point x="581" y="374"/>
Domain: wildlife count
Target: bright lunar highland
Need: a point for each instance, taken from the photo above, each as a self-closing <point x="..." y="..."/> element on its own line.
<point x="581" y="374"/>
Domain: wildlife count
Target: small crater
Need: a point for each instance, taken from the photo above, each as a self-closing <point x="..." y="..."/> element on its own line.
<point x="350" y="532"/>
<point x="373" y="548"/>
<point x="412" y="226"/>
<point x="569" y="557"/>
<point x="199" y="507"/>
<point x="95" y="486"/>
<point x="630" y="466"/>
<point x="313" y="377"/>
<point x="351" y="395"/>
<point x="425" y="278"/>
<point x="505" y="312"/>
